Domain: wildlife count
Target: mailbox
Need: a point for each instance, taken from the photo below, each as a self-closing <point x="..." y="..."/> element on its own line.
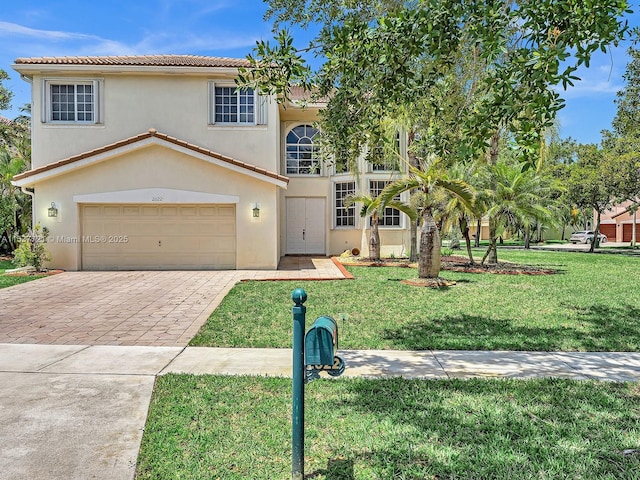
<point x="321" y="342"/>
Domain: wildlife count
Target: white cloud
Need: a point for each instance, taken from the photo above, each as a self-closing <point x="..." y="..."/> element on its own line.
<point x="35" y="42"/>
<point x="7" y="28"/>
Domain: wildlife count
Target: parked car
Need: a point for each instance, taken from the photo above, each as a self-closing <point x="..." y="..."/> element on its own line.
<point x="585" y="236"/>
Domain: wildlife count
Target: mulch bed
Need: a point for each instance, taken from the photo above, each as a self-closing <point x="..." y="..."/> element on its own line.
<point x="33" y="274"/>
<point x="28" y="274"/>
<point x="453" y="263"/>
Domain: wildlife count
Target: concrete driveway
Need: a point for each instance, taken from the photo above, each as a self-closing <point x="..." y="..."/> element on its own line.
<point x="141" y="308"/>
<point x="111" y="308"/>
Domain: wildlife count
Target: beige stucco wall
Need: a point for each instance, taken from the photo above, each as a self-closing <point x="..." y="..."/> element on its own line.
<point x="394" y="241"/>
<point x="173" y="104"/>
<point x="159" y="167"/>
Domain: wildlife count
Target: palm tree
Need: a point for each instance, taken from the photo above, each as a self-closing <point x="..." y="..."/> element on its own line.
<point x="428" y="179"/>
<point x="516" y="200"/>
<point x="458" y="212"/>
<point x="371" y="208"/>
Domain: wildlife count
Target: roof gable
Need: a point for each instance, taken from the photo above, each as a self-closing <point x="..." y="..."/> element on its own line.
<point x="151" y="137"/>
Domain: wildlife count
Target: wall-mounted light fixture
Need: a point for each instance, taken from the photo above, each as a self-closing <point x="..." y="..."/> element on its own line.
<point x="256" y="210"/>
<point x="52" y="211"/>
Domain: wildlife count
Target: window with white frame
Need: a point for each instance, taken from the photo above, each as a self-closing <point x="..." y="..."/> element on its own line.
<point x="230" y="105"/>
<point x="345" y="216"/>
<point x="390" y="217"/>
<point x="303" y="154"/>
<point x="72" y="101"/>
<point x="383" y="161"/>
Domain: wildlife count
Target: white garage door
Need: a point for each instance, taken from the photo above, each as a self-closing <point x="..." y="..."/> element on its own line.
<point x="158" y="237"/>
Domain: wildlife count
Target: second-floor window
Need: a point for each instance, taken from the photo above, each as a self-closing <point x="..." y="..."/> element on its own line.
<point x="230" y="105"/>
<point x="234" y="105"/>
<point x="72" y="102"/>
<point x="303" y="154"/>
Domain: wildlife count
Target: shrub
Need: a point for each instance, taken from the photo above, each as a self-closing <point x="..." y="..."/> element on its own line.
<point x="32" y="251"/>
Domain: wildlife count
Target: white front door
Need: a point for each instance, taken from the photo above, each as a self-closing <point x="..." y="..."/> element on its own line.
<point x="306" y="226"/>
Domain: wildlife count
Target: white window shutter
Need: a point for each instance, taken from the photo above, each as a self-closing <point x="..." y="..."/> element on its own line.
<point x="46" y="101"/>
<point x="97" y="101"/>
<point x="262" y="107"/>
<point x="212" y="103"/>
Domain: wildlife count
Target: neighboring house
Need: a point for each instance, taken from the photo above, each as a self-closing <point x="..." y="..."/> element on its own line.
<point x="159" y="162"/>
<point x="617" y="223"/>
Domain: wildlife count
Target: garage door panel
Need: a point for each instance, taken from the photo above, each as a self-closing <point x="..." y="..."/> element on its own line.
<point x="227" y="211"/>
<point x="188" y="211"/>
<point x="159" y="237"/>
<point x="221" y="229"/>
<point x="149" y="211"/>
<point x="127" y="211"/>
<point x="627" y="232"/>
<point x="609" y="230"/>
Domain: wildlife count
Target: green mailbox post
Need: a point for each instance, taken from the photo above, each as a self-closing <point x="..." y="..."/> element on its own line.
<point x="313" y="352"/>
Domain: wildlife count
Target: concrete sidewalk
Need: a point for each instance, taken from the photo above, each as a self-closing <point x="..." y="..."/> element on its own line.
<point x="78" y="412"/>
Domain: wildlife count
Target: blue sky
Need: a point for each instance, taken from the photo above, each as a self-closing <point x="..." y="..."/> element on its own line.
<point x="35" y="28"/>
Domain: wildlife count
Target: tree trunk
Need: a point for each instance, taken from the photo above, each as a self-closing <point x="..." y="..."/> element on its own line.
<point x="527" y="237"/>
<point x="491" y="256"/>
<point x="413" y="256"/>
<point x="464" y="228"/>
<point x="374" y="238"/>
<point x="492" y="252"/>
<point x="429" y="261"/>
<point x="413" y="161"/>
<point x="595" y="241"/>
<point x="476" y="243"/>
<point x="633" y="231"/>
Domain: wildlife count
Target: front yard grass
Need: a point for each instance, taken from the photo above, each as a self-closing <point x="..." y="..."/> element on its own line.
<point x="10" y="280"/>
<point x="591" y="304"/>
<point x="213" y="427"/>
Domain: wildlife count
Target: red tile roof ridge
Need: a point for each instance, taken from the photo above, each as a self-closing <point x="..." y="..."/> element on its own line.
<point x="137" y="60"/>
<point x="152" y="132"/>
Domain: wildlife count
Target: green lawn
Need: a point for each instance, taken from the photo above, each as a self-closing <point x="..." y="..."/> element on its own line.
<point x="591" y="304"/>
<point x="211" y="427"/>
<point x="7" y="280"/>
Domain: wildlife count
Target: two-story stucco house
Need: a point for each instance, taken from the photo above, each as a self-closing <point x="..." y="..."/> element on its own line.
<point x="159" y="162"/>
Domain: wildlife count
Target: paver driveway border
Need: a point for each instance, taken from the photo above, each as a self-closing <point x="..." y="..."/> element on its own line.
<point x="134" y="308"/>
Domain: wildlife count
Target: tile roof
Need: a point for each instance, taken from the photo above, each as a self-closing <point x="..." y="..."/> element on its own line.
<point x="298" y="93"/>
<point x="139" y="60"/>
<point x="152" y="132"/>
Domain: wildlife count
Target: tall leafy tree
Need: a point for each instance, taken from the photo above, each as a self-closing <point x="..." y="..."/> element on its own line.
<point x="380" y="57"/>
<point x="622" y="144"/>
<point x="588" y="186"/>
<point x="5" y="94"/>
<point x="625" y="122"/>
<point x="15" y="157"/>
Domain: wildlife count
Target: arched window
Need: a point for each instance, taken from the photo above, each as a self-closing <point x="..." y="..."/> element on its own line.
<point x="302" y="152"/>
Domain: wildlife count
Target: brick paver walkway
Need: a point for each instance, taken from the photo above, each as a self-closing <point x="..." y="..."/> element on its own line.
<point x="129" y="308"/>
